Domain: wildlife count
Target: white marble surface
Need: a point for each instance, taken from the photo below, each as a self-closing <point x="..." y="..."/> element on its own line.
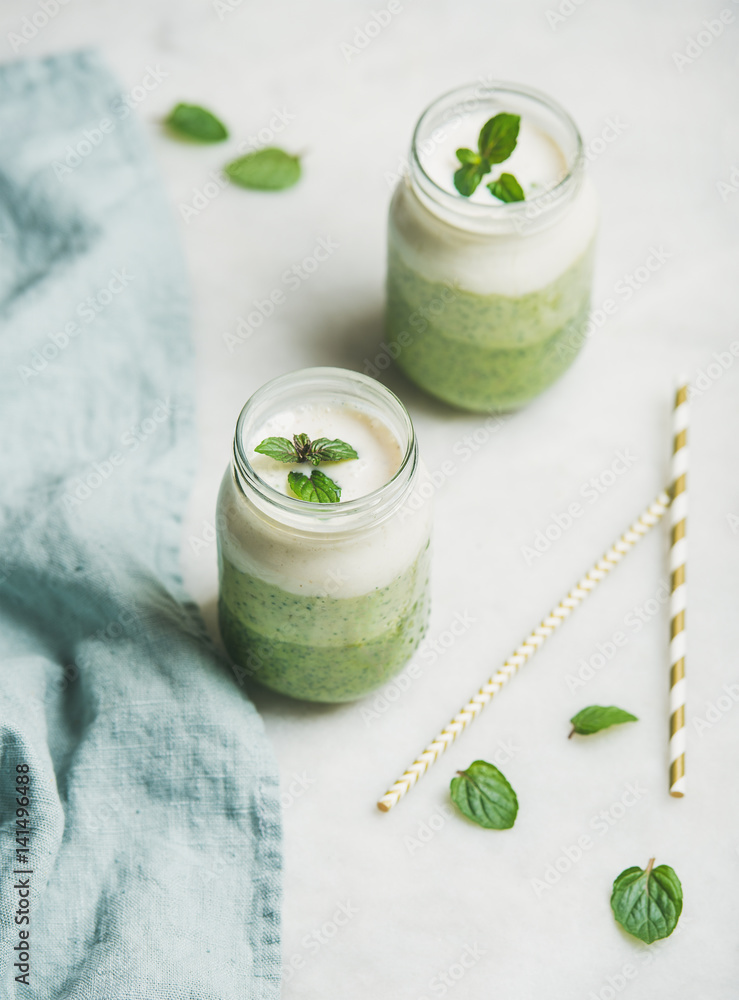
<point x="469" y="892"/>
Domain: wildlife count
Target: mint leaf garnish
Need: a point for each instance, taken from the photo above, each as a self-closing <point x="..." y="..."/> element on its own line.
<point x="497" y="140"/>
<point x="278" y="448"/>
<point x="498" y="137"/>
<point x="196" y="123"/>
<point x="506" y="188"/>
<point x="302" y="449"/>
<point x="268" y="169"/>
<point x="302" y="446"/>
<point x="596" y="717"/>
<point x="483" y="794"/>
<point x="325" y="450"/>
<point x="648" y="903"/>
<point x="467" y="178"/>
<point x="468" y="156"/>
<point x="318" y="489"/>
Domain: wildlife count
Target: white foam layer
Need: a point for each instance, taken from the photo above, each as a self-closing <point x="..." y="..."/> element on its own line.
<point x="379" y="451"/>
<point x="537" y="162"/>
<point x="492" y="264"/>
<point x="314" y="562"/>
<point x="441" y="245"/>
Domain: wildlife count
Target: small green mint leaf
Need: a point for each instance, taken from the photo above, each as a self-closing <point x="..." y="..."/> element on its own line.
<point x="498" y="137"/>
<point x="506" y="188"/>
<point x="196" y="123"/>
<point x="467" y="178"/>
<point x="648" y="903"/>
<point x="596" y="717"/>
<point x="483" y="794"/>
<point x="268" y="169"/>
<point x="325" y="450"/>
<point x="278" y="448"/>
<point x="318" y="489"/>
<point x="468" y="156"/>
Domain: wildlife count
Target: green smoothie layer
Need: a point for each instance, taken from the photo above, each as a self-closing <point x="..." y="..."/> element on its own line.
<point x="485" y="352"/>
<point x="322" y="648"/>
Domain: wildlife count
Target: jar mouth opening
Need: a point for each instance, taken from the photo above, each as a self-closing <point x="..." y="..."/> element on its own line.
<point x="458" y="99"/>
<point x="339" y="383"/>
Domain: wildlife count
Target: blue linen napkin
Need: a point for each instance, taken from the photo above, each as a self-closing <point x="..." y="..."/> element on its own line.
<point x="153" y="830"/>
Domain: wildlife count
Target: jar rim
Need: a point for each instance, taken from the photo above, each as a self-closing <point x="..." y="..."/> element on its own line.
<point x="377" y="502"/>
<point x="515" y="211"/>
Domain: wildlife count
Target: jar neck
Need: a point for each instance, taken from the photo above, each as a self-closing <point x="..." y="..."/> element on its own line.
<point x="322" y="386"/>
<point x="450" y="111"/>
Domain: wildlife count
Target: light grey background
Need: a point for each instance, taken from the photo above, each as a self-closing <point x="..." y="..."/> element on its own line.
<point x="661" y="138"/>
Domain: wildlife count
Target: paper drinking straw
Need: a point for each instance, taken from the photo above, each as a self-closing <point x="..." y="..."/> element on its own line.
<point x="678" y="591"/>
<point x="525" y="651"/>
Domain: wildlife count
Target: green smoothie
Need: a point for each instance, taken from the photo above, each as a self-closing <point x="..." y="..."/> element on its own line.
<point x="485" y="352"/>
<point x="322" y="648"/>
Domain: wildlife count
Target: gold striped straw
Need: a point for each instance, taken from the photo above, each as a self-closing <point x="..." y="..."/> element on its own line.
<point x="678" y="590"/>
<point x="525" y="651"/>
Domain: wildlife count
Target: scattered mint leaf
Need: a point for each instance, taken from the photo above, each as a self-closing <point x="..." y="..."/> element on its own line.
<point x="596" y="717"/>
<point x="483" y="794"/>
<point x="325" y="450"/>
<point x="468" y="156"/>
<point x="196" y="123"/>
<point x="648" y="903"/>
<point x="468" y="177"/>
<point x="278" y="448"/>
<point x="268" y="169"/>
<point x="506" y="188"/>
<point x="318" y="489"/>
<point x="498" y="137"/>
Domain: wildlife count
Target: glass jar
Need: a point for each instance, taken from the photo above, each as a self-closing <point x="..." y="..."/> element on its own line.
<point x="323" y="602"/>
<point x="487" y="301"/>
